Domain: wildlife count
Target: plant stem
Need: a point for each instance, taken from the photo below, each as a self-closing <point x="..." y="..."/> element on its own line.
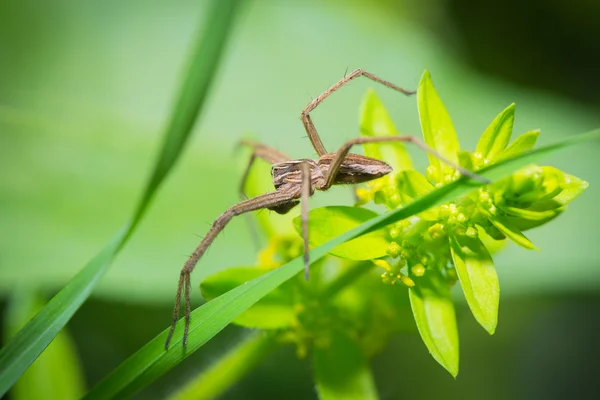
<point x="229" y="369"/>
<point x="352" y="273"/>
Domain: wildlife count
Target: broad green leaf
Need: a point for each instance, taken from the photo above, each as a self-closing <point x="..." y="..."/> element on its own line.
<point x="275" y="310"/>
<point x="437" y="126"/>
<point x="496" y="136"/>
<point x="27" y="345"/>
<point x="341" y="370"/>
<point x="523" y="143"/>
<point x="505" y="226"/>
<point x="228" y="369"/>
<point x="326" y="223"/>
<point x="478" y="279"/>
<point x="375" y="121"/>
<point x="433" y="310"/>
<point x="152" y="360"/>
<point x="57" y="373"/>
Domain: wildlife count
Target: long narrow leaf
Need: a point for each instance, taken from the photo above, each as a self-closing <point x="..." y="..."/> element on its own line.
<point x="152" y="360"/>
<point x="27" y="345"/>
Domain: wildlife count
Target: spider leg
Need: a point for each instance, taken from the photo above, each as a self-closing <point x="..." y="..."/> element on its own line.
<point x="305" y="115"/>
<point x="271" y="156"/>
<point x="262" y="151"/>
<point x="267" y="200"/>
<point x="343" y="152"/>
<point x="306" y="193"/>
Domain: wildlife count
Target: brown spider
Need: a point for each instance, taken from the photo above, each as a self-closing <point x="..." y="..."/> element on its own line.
<point x="296" y="180"/>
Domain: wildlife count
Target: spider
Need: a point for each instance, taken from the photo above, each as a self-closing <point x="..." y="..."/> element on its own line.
<point x="296" y="180"/>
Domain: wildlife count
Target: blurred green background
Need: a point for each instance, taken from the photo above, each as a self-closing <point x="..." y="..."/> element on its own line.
<point x="86" y="87"/>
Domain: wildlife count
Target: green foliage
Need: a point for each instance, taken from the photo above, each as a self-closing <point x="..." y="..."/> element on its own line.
<point x="27" y="345"/>
<point x="328" y="222"/>
<point x="57" y="373"/>
<point x="443" y="243"/>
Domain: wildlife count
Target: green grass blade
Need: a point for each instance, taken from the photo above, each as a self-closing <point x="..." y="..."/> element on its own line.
<point x="152" y="360"/>
<point x="199" y="75"/>
<point x="57" y="373"/>
<point x="26" y="346"/>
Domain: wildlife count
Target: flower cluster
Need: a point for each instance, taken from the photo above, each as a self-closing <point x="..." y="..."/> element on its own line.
<point x="355" y="295"/>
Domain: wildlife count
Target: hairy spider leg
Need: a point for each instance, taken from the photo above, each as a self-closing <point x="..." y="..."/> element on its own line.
<point x="272" y="199"/>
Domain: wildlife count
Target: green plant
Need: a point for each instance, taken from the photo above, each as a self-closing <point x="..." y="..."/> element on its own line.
<point x="332" y="352"/>
<point x="438" y="229"/>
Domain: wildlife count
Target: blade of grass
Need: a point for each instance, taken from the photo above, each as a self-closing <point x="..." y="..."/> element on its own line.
<point x="27" y="345"/>
<point x="152" y="361"/>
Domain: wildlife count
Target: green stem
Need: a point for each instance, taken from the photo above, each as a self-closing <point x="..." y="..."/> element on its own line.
<point x="352" y="273"/>
<point x="229" y="369"/>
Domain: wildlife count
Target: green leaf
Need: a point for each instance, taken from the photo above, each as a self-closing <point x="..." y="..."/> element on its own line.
<point x="523" y="143"/>
<point x="436" y="125"/>
<point x="375" y="121"/>
<point x="326" y="223"/>
<point x="227" y="370"/>
<point x="572" y="188"/>
<point x="532" y="215"/>
<point x="275" y="310"/>
<point x="57" y="373"/>
<point x="478" y="279"/>
<point x="412" y="183"/>
<point x="505" y="226"/>
<point x="341" y="370"/>
<point x="433" y="310"/>
<point x="152" y="360"/>
<point x="497" y="135"/>
<point x="26" y="346"/>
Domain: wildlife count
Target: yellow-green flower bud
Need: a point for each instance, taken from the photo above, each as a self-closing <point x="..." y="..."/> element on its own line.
<point x="418" y="270"/>
<point x="406" y="281"/>
<point x="472" y="232"/>
<point x="394" y="249"/>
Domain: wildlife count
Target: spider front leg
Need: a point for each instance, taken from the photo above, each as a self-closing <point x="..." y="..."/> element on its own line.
<point x="305" y="115"/>
<point x="274" y="199"/>
<point x="342" y="153"/>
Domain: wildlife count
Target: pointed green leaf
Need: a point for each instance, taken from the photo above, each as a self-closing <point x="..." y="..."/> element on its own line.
<point x="375" y="121"/>
<point x="341" y="370"/>
<point x="152" y="361"/>
<point x="57" y="373"/>
<point x="326" y="223"/>
<point x="497" y="135"/>
<point x="572" y="188"/>
<point x="505" y="226"/>
<point x="523" y="143"/>
<point x="532" y="215"/>
<point x="478" y="279"/>
<point x="275" y="310"/>
<point x="436" y="125"/>
<point x="433" y="310"/>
